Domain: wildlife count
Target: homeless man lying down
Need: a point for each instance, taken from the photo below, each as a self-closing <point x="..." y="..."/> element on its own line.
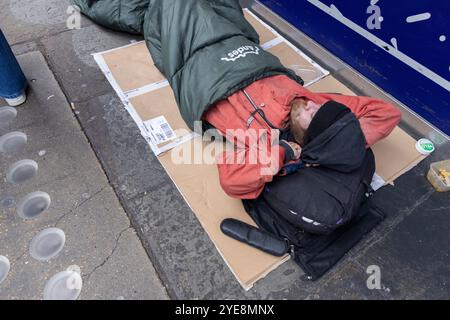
<point x="211" y="57"/>
<point x="312" y="202"/>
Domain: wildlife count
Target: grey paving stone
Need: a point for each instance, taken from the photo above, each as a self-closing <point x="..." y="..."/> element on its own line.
<point x="414" y="262"/>
<point x="69" y="55"/>
<point x="124" y="153"/>
<point x="24" y="21"/>
<point x="99" y="238"/>
<point x="116" y="279"/>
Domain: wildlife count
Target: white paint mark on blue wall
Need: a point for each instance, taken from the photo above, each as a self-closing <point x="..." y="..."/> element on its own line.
<point x="418" y="17"/>
<point x="389" y="48"/>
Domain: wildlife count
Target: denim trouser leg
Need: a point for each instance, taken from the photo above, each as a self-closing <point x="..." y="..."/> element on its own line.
<point x="12" y="79"/>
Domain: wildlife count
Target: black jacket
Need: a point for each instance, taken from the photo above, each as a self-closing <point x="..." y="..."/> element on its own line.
<point x="321" y="199"/>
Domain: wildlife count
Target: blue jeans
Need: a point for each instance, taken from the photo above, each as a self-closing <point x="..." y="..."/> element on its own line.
<point x="12" y="79"/>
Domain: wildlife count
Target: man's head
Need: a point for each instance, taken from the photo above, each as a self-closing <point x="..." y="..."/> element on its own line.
<point x="302" y="113"/>
<point x="309" y="119"/>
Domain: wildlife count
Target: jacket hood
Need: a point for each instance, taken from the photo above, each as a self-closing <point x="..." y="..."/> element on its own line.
<point x="341" y="147"/>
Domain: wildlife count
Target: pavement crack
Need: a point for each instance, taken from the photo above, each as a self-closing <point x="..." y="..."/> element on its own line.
<point x="20" y="256"/>
<point x="402" y="214"/>
<point x="80" y="205"/>
<point x="443" y="208"/>
<point x="116" y="245"/>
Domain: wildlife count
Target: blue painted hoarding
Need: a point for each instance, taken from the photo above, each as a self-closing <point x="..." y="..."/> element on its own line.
<point x="403" y="46"/>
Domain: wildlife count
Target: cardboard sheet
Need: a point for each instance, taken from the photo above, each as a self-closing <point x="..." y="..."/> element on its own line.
<point x="139" y="61"/>
<point x="266" y="34"/>
<point x="396" y="155"/>
<point x="199" y="184"/>
<point x="291" y="59"/>
<point x="331" y="85"/>
<point x="150" y="101"/>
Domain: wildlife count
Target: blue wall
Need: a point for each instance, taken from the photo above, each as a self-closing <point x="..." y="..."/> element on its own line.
<point x="426" y="43"/>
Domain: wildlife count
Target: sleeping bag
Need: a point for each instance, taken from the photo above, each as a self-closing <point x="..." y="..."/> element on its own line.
<point x="205" y="48"/>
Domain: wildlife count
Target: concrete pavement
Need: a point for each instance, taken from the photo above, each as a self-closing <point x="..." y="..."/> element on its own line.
<point x="99" y="237"/>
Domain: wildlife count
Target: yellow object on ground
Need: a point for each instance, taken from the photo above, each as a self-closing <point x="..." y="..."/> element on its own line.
<point x="439" y="175"/>
<point x="445" y="176"/>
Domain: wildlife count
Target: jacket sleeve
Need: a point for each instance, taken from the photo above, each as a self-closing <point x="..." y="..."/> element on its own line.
<point x="242" y="178"/>
<point x="377" y="117"/>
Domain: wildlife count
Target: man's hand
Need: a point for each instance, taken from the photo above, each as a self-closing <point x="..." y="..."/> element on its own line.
<point x="296" y="148"/>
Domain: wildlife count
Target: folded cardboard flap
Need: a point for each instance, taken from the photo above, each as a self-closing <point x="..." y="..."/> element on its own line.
<point x="296" y="62"/>
<point x="132" y="73"/>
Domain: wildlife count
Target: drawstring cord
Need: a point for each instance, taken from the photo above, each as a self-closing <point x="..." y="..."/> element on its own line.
<point x="257" y="111"/>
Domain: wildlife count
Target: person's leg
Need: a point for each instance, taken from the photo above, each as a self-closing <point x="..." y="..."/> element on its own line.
<point x="12" y="79"/>
<point x="232" y="10"/>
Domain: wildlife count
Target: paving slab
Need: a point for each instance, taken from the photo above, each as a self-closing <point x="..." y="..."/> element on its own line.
<point x="126" y="156"/>
<point x="413" y="254"/>
<point x="24" y="21"/>
<point x="69" y="55"/>
<point x="99" y="237"/>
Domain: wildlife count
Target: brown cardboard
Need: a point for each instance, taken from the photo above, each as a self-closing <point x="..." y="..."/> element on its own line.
<point x="138" y="69"/>
<point x="159" y="102"/>
<point x="331" y="85"/>
<point x="292" y="60"/>
<point x="199" y="184"/>
<point x="265" y="35"/>
<point x="396" y="155"/>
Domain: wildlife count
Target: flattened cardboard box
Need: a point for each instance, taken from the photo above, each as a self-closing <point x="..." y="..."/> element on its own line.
<point x="139" y="61"/>
<point x="147" y="96"/>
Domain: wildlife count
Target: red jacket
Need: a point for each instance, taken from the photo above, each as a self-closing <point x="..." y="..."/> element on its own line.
<point x="244" y="179"/>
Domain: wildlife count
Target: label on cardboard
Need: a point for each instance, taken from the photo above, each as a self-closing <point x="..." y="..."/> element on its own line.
<point x="159" y="130"/>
